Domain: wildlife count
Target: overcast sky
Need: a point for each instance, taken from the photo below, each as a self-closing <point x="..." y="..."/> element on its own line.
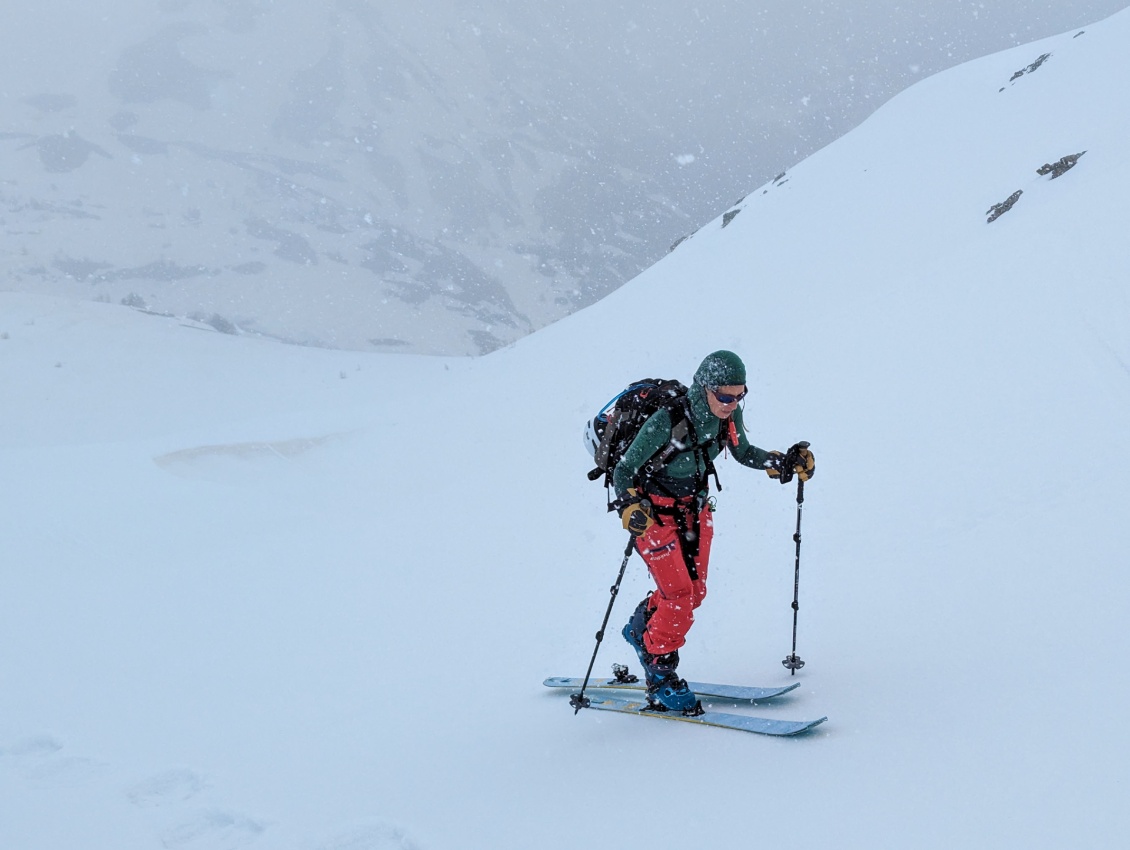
<point x="727" y="86"/>
<point x="504" y="162"/>
<point x="750" y="88"/>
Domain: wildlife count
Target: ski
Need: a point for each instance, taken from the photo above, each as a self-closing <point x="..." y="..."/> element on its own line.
<point x="737" y="693"/>
<point x="739" y="722"/>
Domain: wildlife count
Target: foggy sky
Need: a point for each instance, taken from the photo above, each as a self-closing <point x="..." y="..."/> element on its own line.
<point x="497" y="163"/>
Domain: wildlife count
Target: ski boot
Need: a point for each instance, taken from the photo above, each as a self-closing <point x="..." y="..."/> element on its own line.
<point x="634" y="629"/>
<point x="672" y="694"/>
<point x="665" y="690"/>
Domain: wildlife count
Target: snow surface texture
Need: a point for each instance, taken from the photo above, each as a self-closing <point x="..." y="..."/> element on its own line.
<point x="429" y="177"/>
<point x="269" y="596"/>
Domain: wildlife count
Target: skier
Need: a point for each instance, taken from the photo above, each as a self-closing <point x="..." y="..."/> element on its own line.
<point x="661" y="491"/>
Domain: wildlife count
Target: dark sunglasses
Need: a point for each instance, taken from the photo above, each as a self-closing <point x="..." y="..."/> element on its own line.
<point x="726" y="398"/>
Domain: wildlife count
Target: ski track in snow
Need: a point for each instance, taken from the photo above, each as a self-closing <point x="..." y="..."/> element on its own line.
<point x="223" y="461"/>
<point x="172" y="786"/>
<point x="377" y="835"/>
<point x="40" y="761"/>
<point x="214" y="827"/>
<point x="179" y="807"/>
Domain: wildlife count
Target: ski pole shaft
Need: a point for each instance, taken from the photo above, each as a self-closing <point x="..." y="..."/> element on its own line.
<point x="579" y="701"/>
<point x="796" y="573"/>
<point x="793" y="662"/>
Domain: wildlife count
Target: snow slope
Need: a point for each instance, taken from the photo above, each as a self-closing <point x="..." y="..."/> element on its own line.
<point x="270" y="596"/>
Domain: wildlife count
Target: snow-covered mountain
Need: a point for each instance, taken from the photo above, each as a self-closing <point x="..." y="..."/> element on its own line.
<point x="270" y="596"/>
<point x="437" y="177"/>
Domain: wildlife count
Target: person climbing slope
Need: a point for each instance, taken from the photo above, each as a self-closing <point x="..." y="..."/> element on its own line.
<point x="661" y="484"/>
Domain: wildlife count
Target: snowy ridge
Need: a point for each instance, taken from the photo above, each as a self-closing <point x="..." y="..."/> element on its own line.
<point x="234" y="649"/>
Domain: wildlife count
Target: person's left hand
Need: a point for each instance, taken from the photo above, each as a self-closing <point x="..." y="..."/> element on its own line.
<point x="798" y="461"/>
<point x="801" y="461"/>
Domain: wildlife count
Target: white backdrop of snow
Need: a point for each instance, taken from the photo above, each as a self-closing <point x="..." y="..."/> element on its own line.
<point x="268" y="596"/>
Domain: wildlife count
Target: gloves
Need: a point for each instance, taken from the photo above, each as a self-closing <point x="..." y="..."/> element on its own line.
<point x="801" y="461"/>
<point x="635" y="513"/>
<point x="774" y="465"/>
<point x="798" y="461"/>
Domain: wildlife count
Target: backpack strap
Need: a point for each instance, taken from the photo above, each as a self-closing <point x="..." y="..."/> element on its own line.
<point x="683" y="434"/>
<point x="701" y="454"/>
<point x="685" y="514"/>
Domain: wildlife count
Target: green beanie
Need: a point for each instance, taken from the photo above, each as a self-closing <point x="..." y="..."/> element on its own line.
<point x="721" y="369"/>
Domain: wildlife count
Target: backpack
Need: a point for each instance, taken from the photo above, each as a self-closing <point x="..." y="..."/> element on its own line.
<point x="609" y="434"/>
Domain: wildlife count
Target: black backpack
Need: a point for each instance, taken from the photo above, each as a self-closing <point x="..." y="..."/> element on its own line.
<point x="613" y="429"/>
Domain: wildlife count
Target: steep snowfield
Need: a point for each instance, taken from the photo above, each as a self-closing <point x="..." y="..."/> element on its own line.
<point x="270" y="596"/>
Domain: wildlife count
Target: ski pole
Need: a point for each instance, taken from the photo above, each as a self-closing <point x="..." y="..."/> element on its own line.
<point x="793" y="661"/>
<point x="579" y="701"/>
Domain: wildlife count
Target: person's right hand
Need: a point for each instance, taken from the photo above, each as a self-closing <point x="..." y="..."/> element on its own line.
<point x="635" y="513"/>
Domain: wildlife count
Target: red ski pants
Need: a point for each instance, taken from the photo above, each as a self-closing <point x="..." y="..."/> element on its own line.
<point x="676" y="594"/>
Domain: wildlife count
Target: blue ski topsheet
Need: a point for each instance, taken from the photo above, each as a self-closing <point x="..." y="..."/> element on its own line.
<point x="701" y="689"/>
<point x="740" y="722"/>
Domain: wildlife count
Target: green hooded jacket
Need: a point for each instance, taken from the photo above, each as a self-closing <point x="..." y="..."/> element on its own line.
<point x="682" y="473"/>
